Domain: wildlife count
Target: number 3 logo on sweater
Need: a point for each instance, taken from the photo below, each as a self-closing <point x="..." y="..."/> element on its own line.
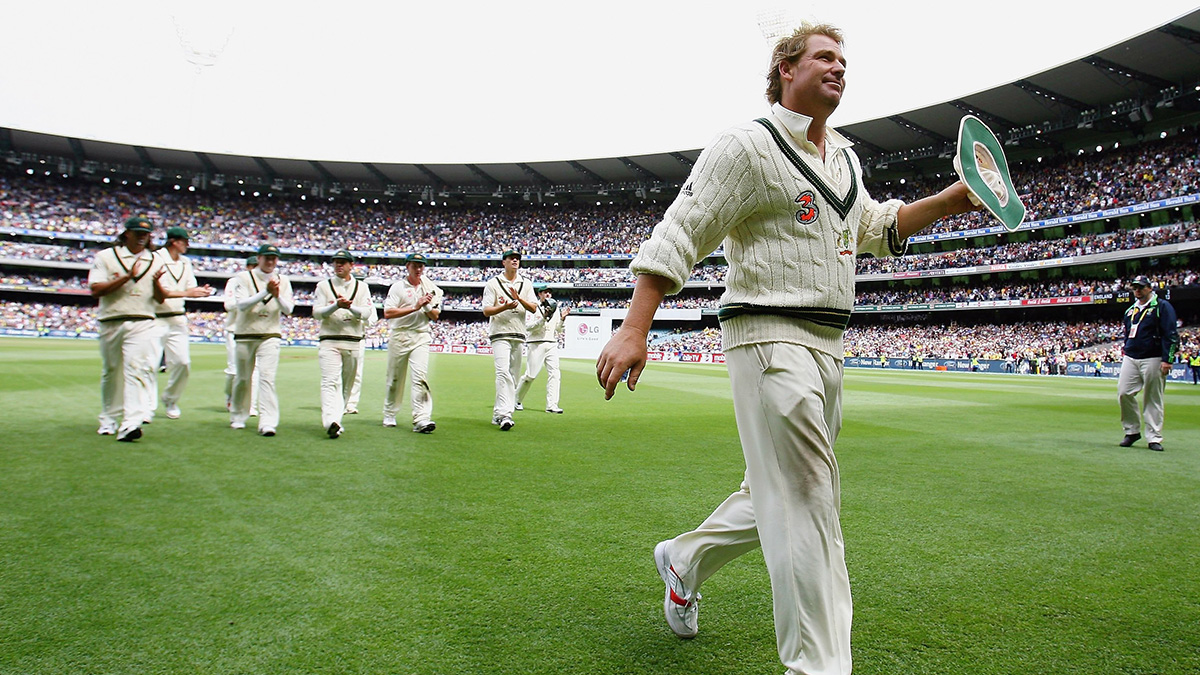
<point x="808" y="210"/>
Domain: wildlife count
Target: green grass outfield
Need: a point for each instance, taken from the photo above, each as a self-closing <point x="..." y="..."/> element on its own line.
<point x="992" y="526"/>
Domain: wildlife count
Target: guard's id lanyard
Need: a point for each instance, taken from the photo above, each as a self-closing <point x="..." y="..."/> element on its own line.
<point x="134" y="290"/>
<point x="1136" y="319"/>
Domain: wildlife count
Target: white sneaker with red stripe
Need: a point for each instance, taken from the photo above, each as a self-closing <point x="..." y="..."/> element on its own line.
<point x="680" y="605"/>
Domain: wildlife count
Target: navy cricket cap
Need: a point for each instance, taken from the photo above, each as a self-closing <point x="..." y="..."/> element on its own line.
<point x="1140" y="280"/>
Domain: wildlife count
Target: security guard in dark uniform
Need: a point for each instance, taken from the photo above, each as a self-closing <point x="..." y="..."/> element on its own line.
<point x="1151" y="341"/>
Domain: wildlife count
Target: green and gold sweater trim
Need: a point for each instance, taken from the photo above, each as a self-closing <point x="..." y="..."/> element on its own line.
<point x="841" y="205"/>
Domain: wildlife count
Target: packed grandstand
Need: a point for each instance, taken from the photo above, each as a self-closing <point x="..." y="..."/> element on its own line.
<point x="1049" y="293"/>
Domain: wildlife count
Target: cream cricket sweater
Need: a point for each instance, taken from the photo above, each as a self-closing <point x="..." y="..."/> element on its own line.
<point x="230" y="302"/>
<point x="135" y="298"/>
<point x="510" y="324"/>
<point x="338" y="323"/>
<point x="179" y="277"/>
<point x="402" y="294"/>
<point x="259" y="312"/>
<point x="542" y="329"/>
<point x="791" y="224"/>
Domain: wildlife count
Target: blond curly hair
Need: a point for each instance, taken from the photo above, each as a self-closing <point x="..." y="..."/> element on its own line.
<point x="791" y="48"/>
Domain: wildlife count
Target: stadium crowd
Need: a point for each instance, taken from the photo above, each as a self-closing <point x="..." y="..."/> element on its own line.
<point x="1090" y="181"/>
<point x="1023" y="341"/>
<point x="715" y="274"/>
<point x="1048" y="249"/>
<point x="1058" y="186"/>
<point x="867" y="294"/>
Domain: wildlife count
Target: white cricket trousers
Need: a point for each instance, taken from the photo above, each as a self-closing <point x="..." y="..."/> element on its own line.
<point x="1142" y="375"/>
<point x="788" y="403"/>
<point x="506" y="355"/>
<point x="408" y="353"/>
<point x="126" y="350"/>
<point x="541" y="353"/>
<point x="259" y="355"/>
<point x="339" y="361"/>
<point x="356" y="388"/>
<point x="171" y="341"/>
<point x="231" y="374"/>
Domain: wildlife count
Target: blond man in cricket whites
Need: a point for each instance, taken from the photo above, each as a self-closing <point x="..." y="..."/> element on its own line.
<point x="784" y="195"/>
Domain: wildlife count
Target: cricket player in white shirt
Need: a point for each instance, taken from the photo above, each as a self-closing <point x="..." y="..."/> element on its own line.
<point x="178" y="282"/>
<point x="262" y="296"/>
<point x="411" y="304"/>
<point x="231" y="344"/>
<point x="356" y="388"/>
<point x="343" y="305"/>
<point x="543" y="327"/>
<point x="125" y="281"/>
<point x="506" y="299"/>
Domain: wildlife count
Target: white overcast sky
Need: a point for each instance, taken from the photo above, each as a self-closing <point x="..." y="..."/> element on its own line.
<point x="477" y="82"/>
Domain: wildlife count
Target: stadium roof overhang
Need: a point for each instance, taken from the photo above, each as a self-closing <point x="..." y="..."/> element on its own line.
<point x="1143" y="86"/>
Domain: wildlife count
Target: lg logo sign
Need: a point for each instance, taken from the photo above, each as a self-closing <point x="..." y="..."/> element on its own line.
<point x="585" y="330"/>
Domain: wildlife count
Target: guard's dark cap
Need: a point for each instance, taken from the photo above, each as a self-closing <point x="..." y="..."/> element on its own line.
<point x="1140" y="280"/>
